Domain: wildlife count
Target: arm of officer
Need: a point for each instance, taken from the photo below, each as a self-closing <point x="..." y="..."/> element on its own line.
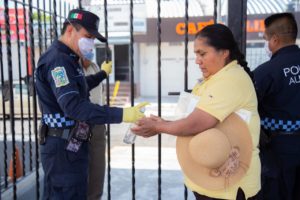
<point x="95" y="79"/>
<point x="64" y="84"/>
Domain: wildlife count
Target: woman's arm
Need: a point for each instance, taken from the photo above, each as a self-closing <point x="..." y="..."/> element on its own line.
<point x="198" y="121"/>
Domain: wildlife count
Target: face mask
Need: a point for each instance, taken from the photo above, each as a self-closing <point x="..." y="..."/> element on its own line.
<point x="267" y="49"/>
<point x="86" y="46"/>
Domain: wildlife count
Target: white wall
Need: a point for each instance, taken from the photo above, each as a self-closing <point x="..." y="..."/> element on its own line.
<point x="172" y="68"/>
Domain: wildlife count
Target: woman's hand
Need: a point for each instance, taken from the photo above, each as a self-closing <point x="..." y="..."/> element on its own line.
<point x="146" y="126"/>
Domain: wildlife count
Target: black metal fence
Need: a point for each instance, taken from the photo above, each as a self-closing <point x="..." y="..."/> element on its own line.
<point x="27" y="30"/>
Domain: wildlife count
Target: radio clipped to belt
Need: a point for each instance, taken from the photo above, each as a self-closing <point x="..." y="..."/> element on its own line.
<point x="79" y="134"/>
<point x="42" y="133"/>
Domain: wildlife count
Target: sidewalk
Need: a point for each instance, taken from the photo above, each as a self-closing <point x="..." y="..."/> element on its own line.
<point x="146" y="174"/>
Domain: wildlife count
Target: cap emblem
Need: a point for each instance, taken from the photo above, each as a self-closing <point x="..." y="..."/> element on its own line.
<point x="76" y="16"/>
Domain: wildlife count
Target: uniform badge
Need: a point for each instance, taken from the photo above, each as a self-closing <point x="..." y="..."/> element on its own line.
<point x="60" y="76"/>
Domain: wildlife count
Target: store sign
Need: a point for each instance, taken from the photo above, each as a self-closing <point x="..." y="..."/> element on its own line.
<point x="255" y="25"/>
<point x="193" y="27"/>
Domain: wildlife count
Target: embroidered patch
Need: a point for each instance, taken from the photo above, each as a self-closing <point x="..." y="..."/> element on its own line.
<point x="60" y="76"/>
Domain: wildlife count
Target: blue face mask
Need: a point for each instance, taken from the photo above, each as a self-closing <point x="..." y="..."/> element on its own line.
<point x="89" y="55"/>
<point x="86" y="46"/>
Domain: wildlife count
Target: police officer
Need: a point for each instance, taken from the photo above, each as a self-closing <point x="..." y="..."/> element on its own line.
<point x="67" y="113"/>
<point x="278" y="90"/>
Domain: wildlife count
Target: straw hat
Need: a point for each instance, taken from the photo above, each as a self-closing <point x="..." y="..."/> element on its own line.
<point x="218" y="157"/>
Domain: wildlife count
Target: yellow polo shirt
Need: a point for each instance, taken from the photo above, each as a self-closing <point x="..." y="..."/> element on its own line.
<point x="228" y="91"/>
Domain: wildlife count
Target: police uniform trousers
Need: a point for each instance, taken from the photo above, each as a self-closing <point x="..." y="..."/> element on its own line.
<point x="96" y="162"/>
<point x="281" y="168"/>
<point x="66" y="173"/>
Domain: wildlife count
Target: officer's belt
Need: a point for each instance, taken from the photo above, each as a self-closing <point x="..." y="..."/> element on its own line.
<point x="274" y="133"/>
<point x="61" y="133"/>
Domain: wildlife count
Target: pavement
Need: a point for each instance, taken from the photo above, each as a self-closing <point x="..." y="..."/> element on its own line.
<point x="146" y="163"/>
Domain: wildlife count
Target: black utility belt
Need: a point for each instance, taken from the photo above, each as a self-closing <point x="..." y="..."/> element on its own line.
<point x="61" y="133"/>
<point x="75" y="136"/>
<point x="274" y="133"/>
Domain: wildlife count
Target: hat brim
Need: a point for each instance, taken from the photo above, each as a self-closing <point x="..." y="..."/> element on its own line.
<point x="238" y="134"/>
<point x="97" y="35"/>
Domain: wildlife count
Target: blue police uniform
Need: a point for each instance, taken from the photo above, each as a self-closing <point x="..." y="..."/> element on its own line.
<point x="277" y="84"/>
<point x="63" y="91"/>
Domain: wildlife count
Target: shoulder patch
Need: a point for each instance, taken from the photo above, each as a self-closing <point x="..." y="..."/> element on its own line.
<point x="59" y="76"/>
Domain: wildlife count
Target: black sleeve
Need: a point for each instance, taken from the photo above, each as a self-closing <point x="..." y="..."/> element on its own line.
<point x="95" y="79"/>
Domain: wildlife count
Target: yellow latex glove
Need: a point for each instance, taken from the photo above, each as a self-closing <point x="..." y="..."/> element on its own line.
<point x="106" y="66"/>
<point x="132" y="114"/>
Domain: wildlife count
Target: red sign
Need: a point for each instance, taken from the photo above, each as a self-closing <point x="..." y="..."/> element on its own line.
<point x="13" y="23"/>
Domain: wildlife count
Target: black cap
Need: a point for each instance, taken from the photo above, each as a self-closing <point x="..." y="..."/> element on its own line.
<point x="88" y="20"/>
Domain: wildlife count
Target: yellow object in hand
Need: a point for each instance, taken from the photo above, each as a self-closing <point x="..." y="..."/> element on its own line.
<point x="106" y="66"/>
<point x="132" y="114"/>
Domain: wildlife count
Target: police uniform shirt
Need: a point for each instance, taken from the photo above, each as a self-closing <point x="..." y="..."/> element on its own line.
<point x="63" y="89"/>
<point x="277" y="85"/>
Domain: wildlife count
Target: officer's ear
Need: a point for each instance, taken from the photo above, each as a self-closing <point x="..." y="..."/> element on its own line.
<point x="69" y="29"/>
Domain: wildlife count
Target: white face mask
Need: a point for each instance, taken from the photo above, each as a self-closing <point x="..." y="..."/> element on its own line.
<point x="267" y="49"/>
<point x="86" y="46"/>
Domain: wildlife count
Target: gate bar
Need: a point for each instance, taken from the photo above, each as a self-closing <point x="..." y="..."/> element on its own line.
<point x="32" y="60"/>
<point x="55" y="19"/>
<point x="4" y="114"/>
<point x="45" y="27"/>
<point x="20" y="86"/>
<point x="237" y="17"/>
<point x="132" y="95"/>
<point x="186" y="53"/>
<point x="39" y="29"/>
<point x="108" y="103"/>
<point x="159" y="91"/>
<point x="11" y="95"/>
<point x="51" y="30"/>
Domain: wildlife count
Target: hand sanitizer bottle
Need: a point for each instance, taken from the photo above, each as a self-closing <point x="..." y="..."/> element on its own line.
<point x="130" y="137"/>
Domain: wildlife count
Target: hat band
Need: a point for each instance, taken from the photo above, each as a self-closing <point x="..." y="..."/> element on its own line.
<point x="230" y="166"/>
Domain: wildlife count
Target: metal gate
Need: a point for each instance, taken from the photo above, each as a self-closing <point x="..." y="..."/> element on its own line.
<point x="27" y="29"/>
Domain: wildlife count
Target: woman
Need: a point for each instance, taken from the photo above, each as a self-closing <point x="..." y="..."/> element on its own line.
<point x="226" y="87"/>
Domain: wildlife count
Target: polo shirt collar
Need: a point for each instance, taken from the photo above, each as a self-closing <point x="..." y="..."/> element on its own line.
<point x="230" y="65"/>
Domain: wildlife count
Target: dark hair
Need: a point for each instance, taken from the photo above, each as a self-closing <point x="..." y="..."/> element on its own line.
<point x="220" y="37"/>
<point x="282" y="23"/>
<point x="67" y="23"/>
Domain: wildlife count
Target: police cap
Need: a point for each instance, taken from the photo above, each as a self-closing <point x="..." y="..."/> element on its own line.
<point x="88" y="20"/>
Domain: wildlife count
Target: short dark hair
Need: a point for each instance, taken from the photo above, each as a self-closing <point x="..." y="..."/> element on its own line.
<point x="282" y="23"/>
<point x="66" y="24"/>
